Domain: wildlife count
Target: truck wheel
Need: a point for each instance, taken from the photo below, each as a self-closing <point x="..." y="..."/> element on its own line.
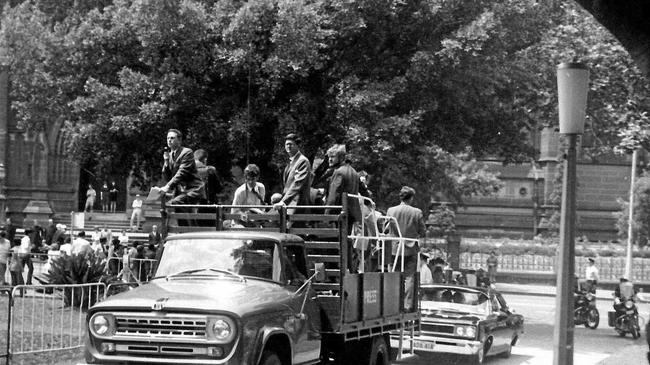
<point x="379" y="352"/>
<point x="270" y="358"/>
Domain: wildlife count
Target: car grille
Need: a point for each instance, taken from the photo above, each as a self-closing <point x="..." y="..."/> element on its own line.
<point x="433" y="328"/>
<point x="169" y="326"/>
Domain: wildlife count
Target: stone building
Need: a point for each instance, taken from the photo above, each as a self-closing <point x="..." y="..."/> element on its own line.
<point x="523" y="206"/>
<point x="38" y="181"/>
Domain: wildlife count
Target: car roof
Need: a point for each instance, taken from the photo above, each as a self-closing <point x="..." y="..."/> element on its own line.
<point x="245" y="235"/>
<point x="453" y="286"/>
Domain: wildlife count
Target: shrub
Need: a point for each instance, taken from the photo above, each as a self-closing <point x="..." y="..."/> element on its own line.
<point x="77" y="269"/>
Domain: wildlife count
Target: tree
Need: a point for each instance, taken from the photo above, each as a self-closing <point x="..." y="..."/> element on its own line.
<point x="640" y="213"/>
<point x="418" y="90"/>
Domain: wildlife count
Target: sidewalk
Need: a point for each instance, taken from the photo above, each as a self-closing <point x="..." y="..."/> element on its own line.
<point x="550" y="291"/>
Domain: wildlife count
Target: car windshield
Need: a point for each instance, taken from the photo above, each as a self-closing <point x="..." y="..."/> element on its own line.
<point x="252" y="258"/>
<point x="455" y="299"/>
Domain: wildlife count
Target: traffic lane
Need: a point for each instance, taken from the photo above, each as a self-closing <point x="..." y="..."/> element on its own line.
<point x="599" y="346"/>
<point x="602" y="346"/>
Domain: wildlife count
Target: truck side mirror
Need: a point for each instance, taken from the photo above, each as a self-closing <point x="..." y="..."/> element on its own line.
<point x="319" y="269"/>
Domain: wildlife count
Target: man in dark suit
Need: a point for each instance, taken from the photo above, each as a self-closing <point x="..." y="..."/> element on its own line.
<point x="179" y="169"/>
<point x="183" y="180"/>
<point x="410" y="222"/>
<point x="154" y="236"/>
<point x="297" y="175"/>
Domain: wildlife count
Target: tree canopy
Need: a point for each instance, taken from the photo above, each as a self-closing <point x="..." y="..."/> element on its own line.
<point x="417" y="90"/>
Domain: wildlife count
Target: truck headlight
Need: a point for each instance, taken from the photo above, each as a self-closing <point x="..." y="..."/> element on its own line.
<point x="221" y="329"/>
<point x="102" y="325"/>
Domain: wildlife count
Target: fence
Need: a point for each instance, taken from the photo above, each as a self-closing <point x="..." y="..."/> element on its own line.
<point x="131" y="270"/>
<point x="47" y="318"/>
<point x="609" y="268"/>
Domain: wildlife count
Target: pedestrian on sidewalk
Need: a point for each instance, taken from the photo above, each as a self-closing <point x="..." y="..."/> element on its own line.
<point x="591" y="274"/>
<point x="492" y="263"/>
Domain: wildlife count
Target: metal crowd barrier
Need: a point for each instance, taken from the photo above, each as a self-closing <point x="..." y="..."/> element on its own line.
<point x="130" y="270"/>
<point x="5" y="323"/>
<point x="48" y="317"/>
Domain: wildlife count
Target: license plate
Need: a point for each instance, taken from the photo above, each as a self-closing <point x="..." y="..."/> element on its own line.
<point x="423" y="345"/>
<point x="631" y="311"/>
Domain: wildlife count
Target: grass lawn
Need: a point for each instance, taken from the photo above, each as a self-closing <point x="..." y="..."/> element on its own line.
<point x="41" y="325"/>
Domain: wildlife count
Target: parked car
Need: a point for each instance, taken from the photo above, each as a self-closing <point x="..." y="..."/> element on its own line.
<point x="466" y="321"/>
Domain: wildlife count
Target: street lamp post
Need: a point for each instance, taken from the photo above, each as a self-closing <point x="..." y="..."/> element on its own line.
<point x="572" y="84"/>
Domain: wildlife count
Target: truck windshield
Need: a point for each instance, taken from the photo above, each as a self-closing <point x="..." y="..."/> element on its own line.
<point x="253" y="258"/>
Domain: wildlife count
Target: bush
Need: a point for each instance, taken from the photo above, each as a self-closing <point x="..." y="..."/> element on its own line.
<point x="77" y="269"/>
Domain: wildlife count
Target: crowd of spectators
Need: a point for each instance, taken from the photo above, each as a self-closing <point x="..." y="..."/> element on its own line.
<point x="43" y="246"/>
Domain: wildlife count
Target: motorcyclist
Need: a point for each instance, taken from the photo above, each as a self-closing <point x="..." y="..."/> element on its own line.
<point x="624" y="291"/>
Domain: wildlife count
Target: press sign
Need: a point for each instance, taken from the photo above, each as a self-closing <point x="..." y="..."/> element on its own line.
<point x="370" y="296"/>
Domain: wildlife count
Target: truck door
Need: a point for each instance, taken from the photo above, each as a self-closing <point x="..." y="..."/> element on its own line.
<point x="306" y="321"/>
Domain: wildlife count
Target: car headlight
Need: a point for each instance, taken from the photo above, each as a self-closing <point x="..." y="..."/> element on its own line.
<point x="221" y="329"/>
<point x="465" y="331"/>
<point x="629" y="304"/>
<point x="102" y="324"/>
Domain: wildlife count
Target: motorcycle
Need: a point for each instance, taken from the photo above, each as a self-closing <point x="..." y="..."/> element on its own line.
<point x="626" y="318"/>
<point x="585" y="311"/>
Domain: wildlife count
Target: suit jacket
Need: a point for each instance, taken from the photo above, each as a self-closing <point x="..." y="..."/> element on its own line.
<point x="411" y="224"/>
<point x="155" y="238"/>
<point x="297" y="181"/>
<point x="182" y="176"/>
<point x="345" y="179"/>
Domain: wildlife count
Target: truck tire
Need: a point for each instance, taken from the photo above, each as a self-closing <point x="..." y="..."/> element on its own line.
<point x="379" y="352"/>
<point x="270" y="358"/>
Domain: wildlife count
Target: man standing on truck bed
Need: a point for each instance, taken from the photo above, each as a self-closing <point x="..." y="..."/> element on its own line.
<point x="296" y="176"/>
<point x="344" y="179"/>
<point x="179" y="169"/>
<point x="411" y="225"/>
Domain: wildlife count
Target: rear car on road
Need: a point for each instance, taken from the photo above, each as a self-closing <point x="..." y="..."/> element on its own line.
<point x="466" y="321"/>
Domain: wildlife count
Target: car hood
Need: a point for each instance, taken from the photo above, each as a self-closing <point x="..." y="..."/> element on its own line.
<point x="201" y="294"/>
<point x="442" y="314"/>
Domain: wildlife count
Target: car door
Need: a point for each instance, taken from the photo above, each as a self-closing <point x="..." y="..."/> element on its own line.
<point x="501" y="326"/>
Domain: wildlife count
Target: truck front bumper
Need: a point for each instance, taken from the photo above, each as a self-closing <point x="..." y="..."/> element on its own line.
<point x="434" y="344"/>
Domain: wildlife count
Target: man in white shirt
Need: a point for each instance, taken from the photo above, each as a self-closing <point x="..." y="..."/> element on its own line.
<point x="124" y="238"/>
<point x="251" y="192"/>
<point x="137" y="212"/>
<point x="591" y="274"/>
<point x="80" y="244"/>
<point x="24" y="253"/>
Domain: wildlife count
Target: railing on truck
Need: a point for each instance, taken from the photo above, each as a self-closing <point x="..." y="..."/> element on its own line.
<point x="372" y="301"/>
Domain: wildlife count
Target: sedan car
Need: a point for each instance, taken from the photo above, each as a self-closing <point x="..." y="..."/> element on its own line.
<point x="467" y="321"/>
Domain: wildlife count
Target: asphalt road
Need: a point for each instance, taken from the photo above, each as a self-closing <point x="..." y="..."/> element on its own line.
<point x="601" y="346"/>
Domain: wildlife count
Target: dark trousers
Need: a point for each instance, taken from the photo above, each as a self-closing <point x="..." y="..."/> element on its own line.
<point x="27" y="260"/>
<point x="186" y="199"/>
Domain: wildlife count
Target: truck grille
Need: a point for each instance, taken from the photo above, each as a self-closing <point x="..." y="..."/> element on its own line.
<point x="181" y="327"/>
<point x="437" y="328"/>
